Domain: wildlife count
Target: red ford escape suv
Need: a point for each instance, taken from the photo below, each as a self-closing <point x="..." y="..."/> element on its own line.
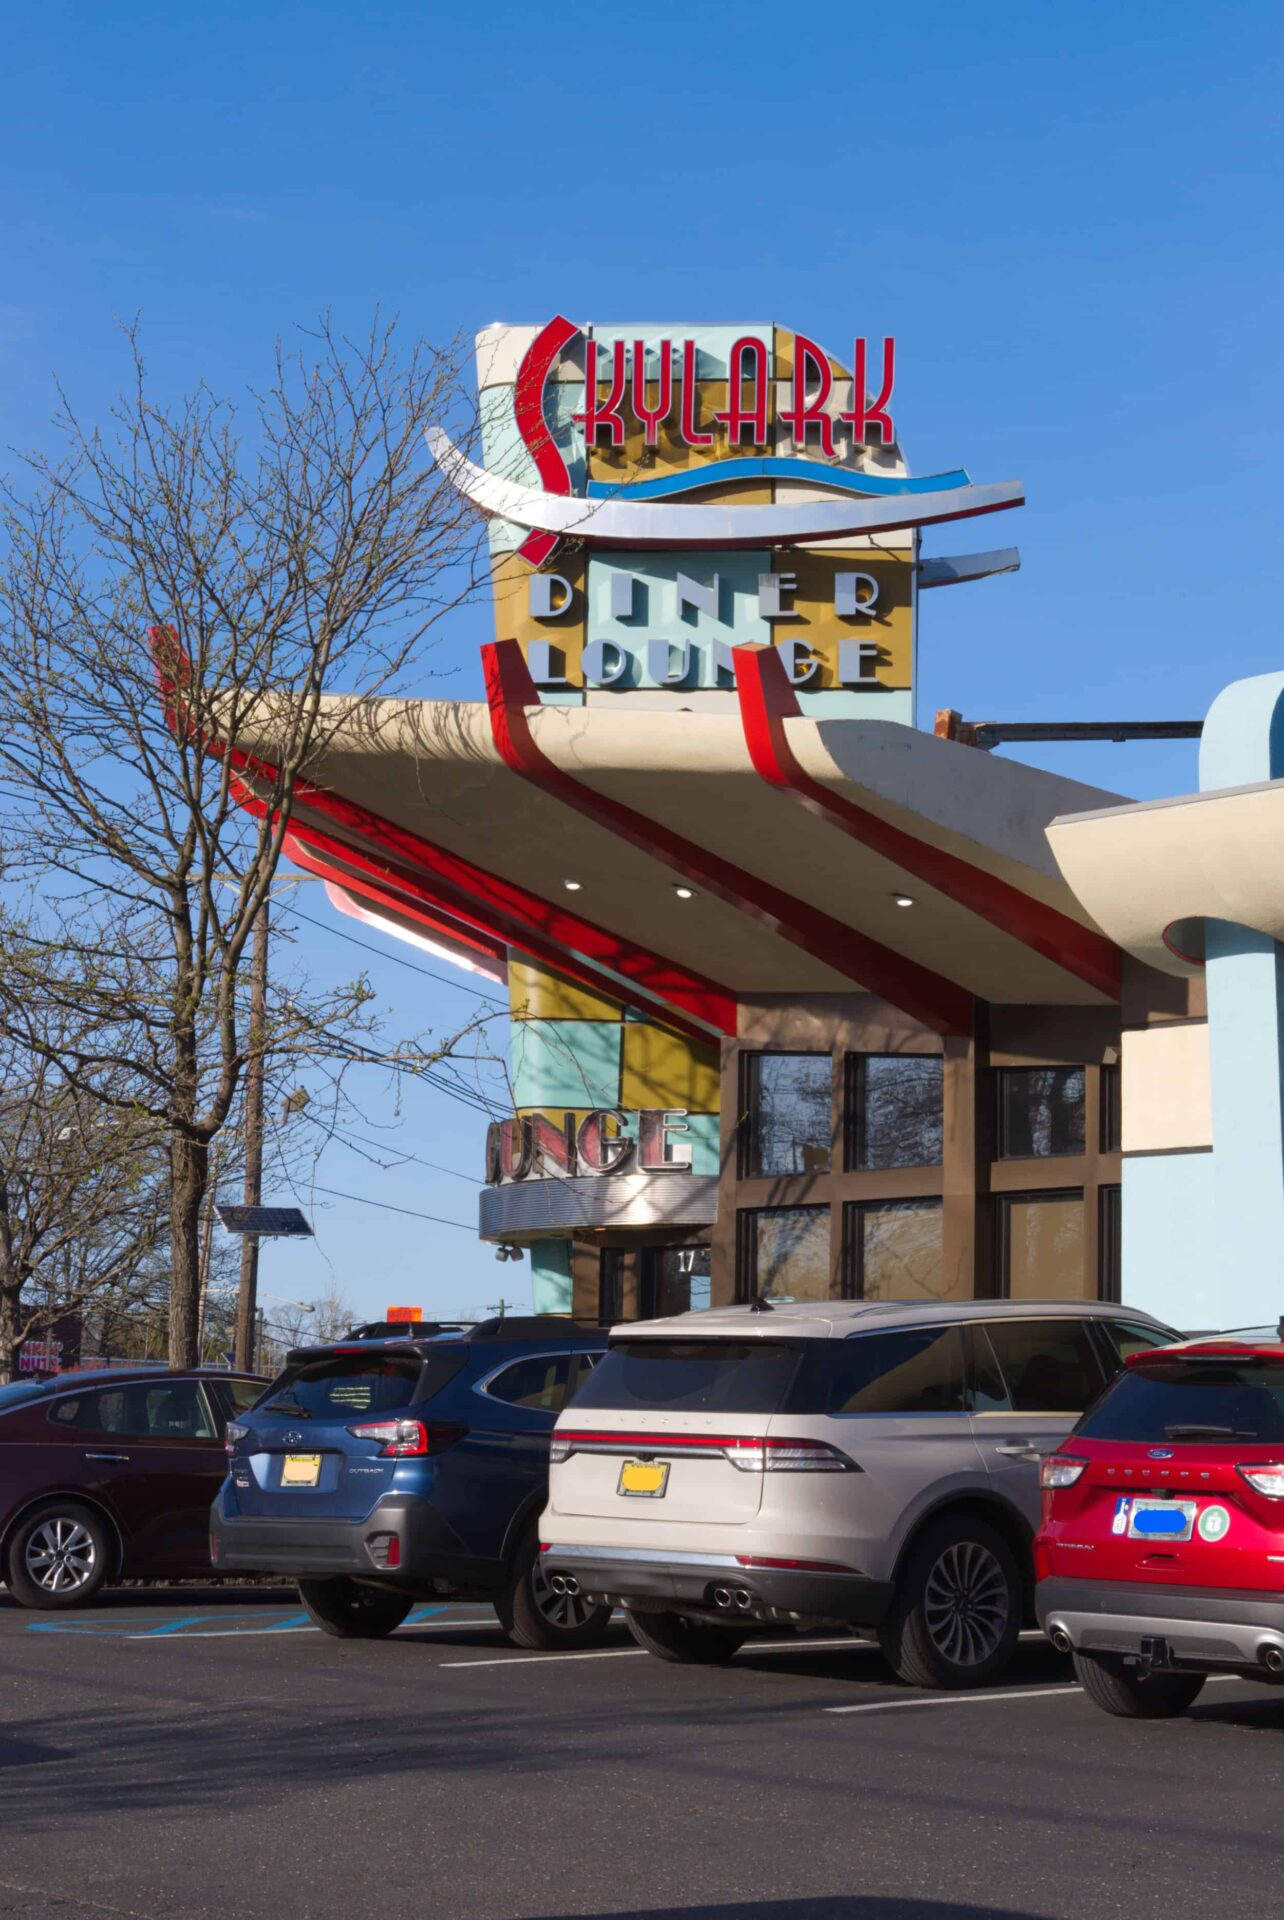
<point x="1160" y="1558"/>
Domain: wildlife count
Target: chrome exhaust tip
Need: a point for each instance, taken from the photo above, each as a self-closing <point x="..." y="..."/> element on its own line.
<point x="570" y="1584"/>
<point x="1061" y="1640"/>
<point x="557" y="1581"/>
<point x="722" y="1597"/>
<point x="1273" y="1659"/>
<point x="743" y="1598"/>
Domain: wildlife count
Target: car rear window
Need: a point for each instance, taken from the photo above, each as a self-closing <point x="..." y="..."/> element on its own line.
<point x="915" y="1370"/>
<point x="692" y="1376"/>
<point x="1204" y="1400"/>
<point x="361" y="1383"/>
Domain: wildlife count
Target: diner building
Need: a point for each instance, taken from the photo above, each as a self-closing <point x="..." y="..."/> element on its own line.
<point x="808" y="999"/>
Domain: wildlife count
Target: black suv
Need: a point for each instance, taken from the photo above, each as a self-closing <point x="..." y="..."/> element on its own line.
<point x="384" y="1472"/>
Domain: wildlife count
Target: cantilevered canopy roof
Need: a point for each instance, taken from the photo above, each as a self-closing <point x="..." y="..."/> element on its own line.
<point x="470" y="821"/>
<point x="1152" y="873"/>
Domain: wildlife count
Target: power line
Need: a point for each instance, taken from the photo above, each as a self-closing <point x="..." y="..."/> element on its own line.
<point x="383" y="953"/>
<point x="388" y="1207"/>
<point x="401" y="1153"/>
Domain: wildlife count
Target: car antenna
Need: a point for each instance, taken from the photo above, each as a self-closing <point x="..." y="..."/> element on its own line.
<point x="761" y="1304"/>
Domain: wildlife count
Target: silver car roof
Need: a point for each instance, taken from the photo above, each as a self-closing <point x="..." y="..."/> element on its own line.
<point x="835" y="1319"/>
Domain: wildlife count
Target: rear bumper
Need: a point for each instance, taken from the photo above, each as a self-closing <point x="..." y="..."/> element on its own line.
<point x="314" y="1549"/>
<point x="653" y="1579"/>
<point x="1200" y="1626"/>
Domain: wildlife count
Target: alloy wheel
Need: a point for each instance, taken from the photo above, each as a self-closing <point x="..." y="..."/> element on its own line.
<point x="562" y="1610"/>
<point x="61" y="1555"/>
<point x="966" y="1604"/>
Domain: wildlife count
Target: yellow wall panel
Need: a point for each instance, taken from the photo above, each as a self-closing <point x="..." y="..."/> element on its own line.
<point x="510" y="586"/>
<point x="662" y="1070"/>
<point x="813" y="618"/>
<point x="536" y="993"/>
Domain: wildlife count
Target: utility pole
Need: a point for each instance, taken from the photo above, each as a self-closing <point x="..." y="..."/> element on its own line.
<point x="247" y="1298"/>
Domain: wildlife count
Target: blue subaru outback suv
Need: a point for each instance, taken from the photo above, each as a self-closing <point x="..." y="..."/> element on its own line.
<point x="384" y="1472"/>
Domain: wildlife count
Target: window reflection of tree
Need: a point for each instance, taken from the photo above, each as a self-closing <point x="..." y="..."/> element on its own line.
<point x="1043" y="1112"/>
<point x="792" y="1113"/>
<point x="899" y="1116"/>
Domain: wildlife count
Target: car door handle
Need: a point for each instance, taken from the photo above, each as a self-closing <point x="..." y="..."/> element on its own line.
<point x="106" y="1456"/>
<point x="1022" y="1451"/>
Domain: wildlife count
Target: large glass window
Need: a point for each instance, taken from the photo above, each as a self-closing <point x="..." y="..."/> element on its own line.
<point x="539" y="1383"/>
<point x="1041" y="1246"/>
<point x="785" y="1251"/>
<point x="1040" y="1112"/>
<point x="894" y="1111"/>
<point x="674" y="1280"/>
<point x="1049" y="1366"/>
<point x="1218" y="1402"/>
<point x="790" y="1114"/>
<point x="894" y="1250"/>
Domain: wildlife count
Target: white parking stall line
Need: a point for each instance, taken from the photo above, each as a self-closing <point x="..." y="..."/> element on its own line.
<point x="630" y="1653"/>
<point x="955" y="1700"/>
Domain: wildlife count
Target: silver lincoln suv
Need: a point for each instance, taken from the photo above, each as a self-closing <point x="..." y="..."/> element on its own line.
<point x="851" y="1463"/>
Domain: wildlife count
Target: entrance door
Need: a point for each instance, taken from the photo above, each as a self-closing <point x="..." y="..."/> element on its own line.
<point x="674" y="1280"/>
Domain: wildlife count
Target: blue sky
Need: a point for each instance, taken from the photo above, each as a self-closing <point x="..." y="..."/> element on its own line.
<point x="1068" y="216"/>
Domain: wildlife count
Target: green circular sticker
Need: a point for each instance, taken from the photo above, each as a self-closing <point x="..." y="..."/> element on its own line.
<point x="1214" y="1523"/>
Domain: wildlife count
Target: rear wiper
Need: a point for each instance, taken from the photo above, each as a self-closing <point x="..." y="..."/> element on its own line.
<point x="1196" y="1432"/>
<point x="287" y="1406"/>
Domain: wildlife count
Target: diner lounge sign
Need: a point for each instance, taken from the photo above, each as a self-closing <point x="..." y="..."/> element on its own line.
<point x="534" y="1146"/>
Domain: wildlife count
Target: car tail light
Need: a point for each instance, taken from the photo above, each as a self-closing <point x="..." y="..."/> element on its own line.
<point x="401" y="1439"/>
<point x="235" y="1433"/>
<point x="751" y="1453"/>
<point x="1060" y="1470"/>
<point x="385" y="1550"/>
<point x="213" y="1548"/>
<point x="1267" y="1479"/>
<point x="787" y="1456"/>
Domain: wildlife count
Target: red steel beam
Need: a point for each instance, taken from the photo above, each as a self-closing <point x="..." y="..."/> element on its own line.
<point x="926" y="996"/>
<point x="398" y="884"/>
<point x="767" y="700"/>
<point x="433" y="921"/>
<point x="496" y="907"/>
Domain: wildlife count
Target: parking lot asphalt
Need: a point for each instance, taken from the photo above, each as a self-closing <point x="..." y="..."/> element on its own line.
<point x="203" y="1753"/>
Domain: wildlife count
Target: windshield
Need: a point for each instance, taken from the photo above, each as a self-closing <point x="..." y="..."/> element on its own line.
<point x="1208" y="1400"/>
<point x="697" y="1376"/>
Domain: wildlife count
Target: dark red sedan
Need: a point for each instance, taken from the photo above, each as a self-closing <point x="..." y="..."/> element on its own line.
<point x="109" y="1474"/>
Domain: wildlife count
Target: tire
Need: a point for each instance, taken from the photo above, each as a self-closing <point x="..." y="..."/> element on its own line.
<point x="688" y="1643"/>
<point x="956" y="1613"/>
<point x="533" y="1616"/>
<point x="351" y="1611"/>
<point x="59" y="1556"/>
<point x="1132" y="1695"/>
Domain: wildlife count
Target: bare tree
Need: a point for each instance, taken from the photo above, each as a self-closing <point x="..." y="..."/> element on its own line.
<point x="83" y="1197"/>
<point x="298" y="547"/>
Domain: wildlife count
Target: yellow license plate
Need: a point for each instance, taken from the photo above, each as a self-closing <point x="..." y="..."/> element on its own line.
<point x="645" y="1478"/>
<point x="300" y="1469"/>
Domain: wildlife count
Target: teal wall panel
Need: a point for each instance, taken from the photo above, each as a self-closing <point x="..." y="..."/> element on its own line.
<point x="550" y="1276"/>
<point x="566" y="1063"/>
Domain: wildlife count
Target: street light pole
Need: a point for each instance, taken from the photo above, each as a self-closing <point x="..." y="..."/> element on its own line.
<point x="247" y="1297"/>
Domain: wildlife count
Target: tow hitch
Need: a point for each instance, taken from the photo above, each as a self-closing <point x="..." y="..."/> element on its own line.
<point x="1154" y="1654"/>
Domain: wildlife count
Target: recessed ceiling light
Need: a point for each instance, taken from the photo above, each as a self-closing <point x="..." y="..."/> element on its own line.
<point x="573" y="886"/>
<point x="685" y="893"/>
<point x="903" y="899"/>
